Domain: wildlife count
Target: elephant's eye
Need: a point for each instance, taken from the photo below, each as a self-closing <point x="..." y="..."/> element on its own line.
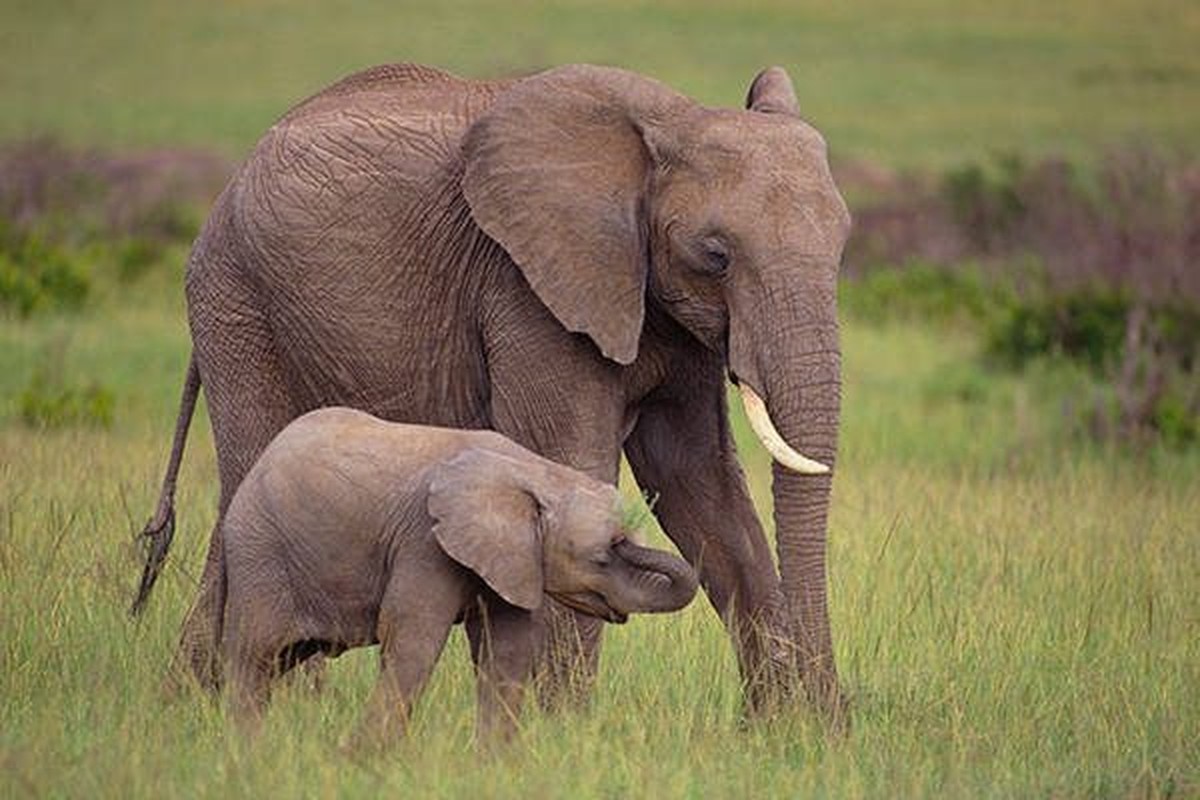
<point x="714" y="255"/>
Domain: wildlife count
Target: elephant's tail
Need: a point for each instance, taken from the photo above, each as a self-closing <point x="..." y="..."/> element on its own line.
<point x="221" y="592"/>
<point x="160" y="529"/>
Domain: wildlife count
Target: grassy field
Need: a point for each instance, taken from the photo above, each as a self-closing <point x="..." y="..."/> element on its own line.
<point x="1013" y="615"/>
<point x="1016" y="611"/>
<point x="912" y="84"/>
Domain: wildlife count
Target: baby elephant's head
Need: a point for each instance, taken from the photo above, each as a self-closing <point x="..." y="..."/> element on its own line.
<point x="528" y="528"/>
<point x="592" y="566"/>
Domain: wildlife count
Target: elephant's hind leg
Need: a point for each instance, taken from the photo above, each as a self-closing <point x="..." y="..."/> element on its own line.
<point x="503" y="644"/>
<point x="250" y="672"/>
<point x="251" y="665"/>
<point x="248" y="403"/>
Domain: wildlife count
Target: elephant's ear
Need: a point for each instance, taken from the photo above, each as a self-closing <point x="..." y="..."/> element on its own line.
<point x="771" y="92"/>
<point x="556" y="172"/>
<point x="485" y="521"/>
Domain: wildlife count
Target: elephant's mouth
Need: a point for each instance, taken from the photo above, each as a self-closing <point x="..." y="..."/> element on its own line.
<point x="593" y="604"/>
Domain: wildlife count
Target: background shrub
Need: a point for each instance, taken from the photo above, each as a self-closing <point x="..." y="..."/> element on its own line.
<point x="920" y="290"/>
<point x="71" y="217"/>
<point x="48" y="402"/>
<point x="76" y="196"/>
<point x="1087" y="326"/>
<point x="36" y="274"/>
<point x="1097" y="265"/>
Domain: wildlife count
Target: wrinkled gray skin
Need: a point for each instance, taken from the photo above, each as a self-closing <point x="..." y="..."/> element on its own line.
<point x="576" y="259"/>
<point x="351" y="531"/>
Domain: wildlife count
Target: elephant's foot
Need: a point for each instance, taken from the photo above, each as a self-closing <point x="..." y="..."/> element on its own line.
<point x="191" y="668"/>
<point x="777" y="678"/>
<point x="567" y="659"/>
<point x="789" y="693"/>
<point x="769" y="676"/>
<point x="383" y="725"/>
<point x="310" y="673"/>
<point x="765" y="659"/>
<point x="197" y="659"/>
<point x="376" y="733"/>
<point x="190" y="673"/>
<point x="825" y="695"/>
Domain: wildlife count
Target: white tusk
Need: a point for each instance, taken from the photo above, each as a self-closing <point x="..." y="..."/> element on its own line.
<point x="781" y="451"/>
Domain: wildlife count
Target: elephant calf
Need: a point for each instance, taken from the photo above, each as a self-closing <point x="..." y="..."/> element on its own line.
<point x="351" y="531"/>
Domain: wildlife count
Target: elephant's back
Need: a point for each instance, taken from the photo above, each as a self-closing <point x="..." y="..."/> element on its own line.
<point x="330" y="473"/>
<point x="417" y="87"/>
<point x="381" y="78"/>
<point x="354" y="232"/>
<point x="360" y="447"/>
<point x="382" y="137"/>
<point x="350" y="446"/>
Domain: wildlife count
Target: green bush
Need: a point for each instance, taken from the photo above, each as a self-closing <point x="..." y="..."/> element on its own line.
<point x="134" y="256"/>
<point x="1086" y="326"/>
<point x="1146" y="355"/>
<point x="62" y="208"/>
<point x="1175" y="417"/>
<point x="49" y="402"/>
<point x="986" y="199"/>
<point x="37" y="275"/>
<point x="1091" y="326"/>
<point x="925" y="291"/>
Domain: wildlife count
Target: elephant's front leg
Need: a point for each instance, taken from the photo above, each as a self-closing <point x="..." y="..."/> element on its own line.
<point x="682" y="453"/>
<point x="552" y="393"/>
<point x="422" y="599"/>
<point x="503" y="642"/>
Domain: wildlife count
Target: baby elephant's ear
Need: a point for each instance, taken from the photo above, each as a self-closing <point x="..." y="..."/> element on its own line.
<point x="485" y="521"/>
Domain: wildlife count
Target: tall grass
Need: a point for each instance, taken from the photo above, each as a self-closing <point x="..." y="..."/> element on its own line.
<point x="1012" y="616"/>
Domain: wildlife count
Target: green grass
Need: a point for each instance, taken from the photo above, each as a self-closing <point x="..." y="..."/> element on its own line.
<point x="1015" y="614"/>
<point x="914" y="84"/>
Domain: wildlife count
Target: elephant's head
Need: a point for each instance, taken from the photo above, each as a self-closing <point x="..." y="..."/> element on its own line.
<point x="610" y="192"/>
<point x="529" y="529"/>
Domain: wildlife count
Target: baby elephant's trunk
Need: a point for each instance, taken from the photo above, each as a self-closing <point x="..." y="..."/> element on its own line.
<point x="661" y="581"/>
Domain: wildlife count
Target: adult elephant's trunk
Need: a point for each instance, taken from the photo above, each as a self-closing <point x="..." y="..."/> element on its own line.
<point x="656" y="581"/>
<point x="801" y="513"/>
<point x="787" y="360"/>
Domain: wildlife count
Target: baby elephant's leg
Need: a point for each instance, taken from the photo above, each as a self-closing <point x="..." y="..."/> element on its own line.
<point x="503" y="641"/>
<point x="249" y="669"/>
<point x="251" y="639"/>
<point x="414" y="623"/>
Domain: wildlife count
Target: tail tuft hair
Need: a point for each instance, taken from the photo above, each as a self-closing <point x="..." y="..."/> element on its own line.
<point x="156" y="542"/>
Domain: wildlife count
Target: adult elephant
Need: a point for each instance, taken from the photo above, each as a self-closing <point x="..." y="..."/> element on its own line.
<point x="575" y="259"/>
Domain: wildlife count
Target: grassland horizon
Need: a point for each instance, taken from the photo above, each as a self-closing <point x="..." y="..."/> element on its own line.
<point x="928" y="84"/>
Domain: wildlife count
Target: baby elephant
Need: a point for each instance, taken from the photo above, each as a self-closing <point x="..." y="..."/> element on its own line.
<point x="351" y="531"/>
